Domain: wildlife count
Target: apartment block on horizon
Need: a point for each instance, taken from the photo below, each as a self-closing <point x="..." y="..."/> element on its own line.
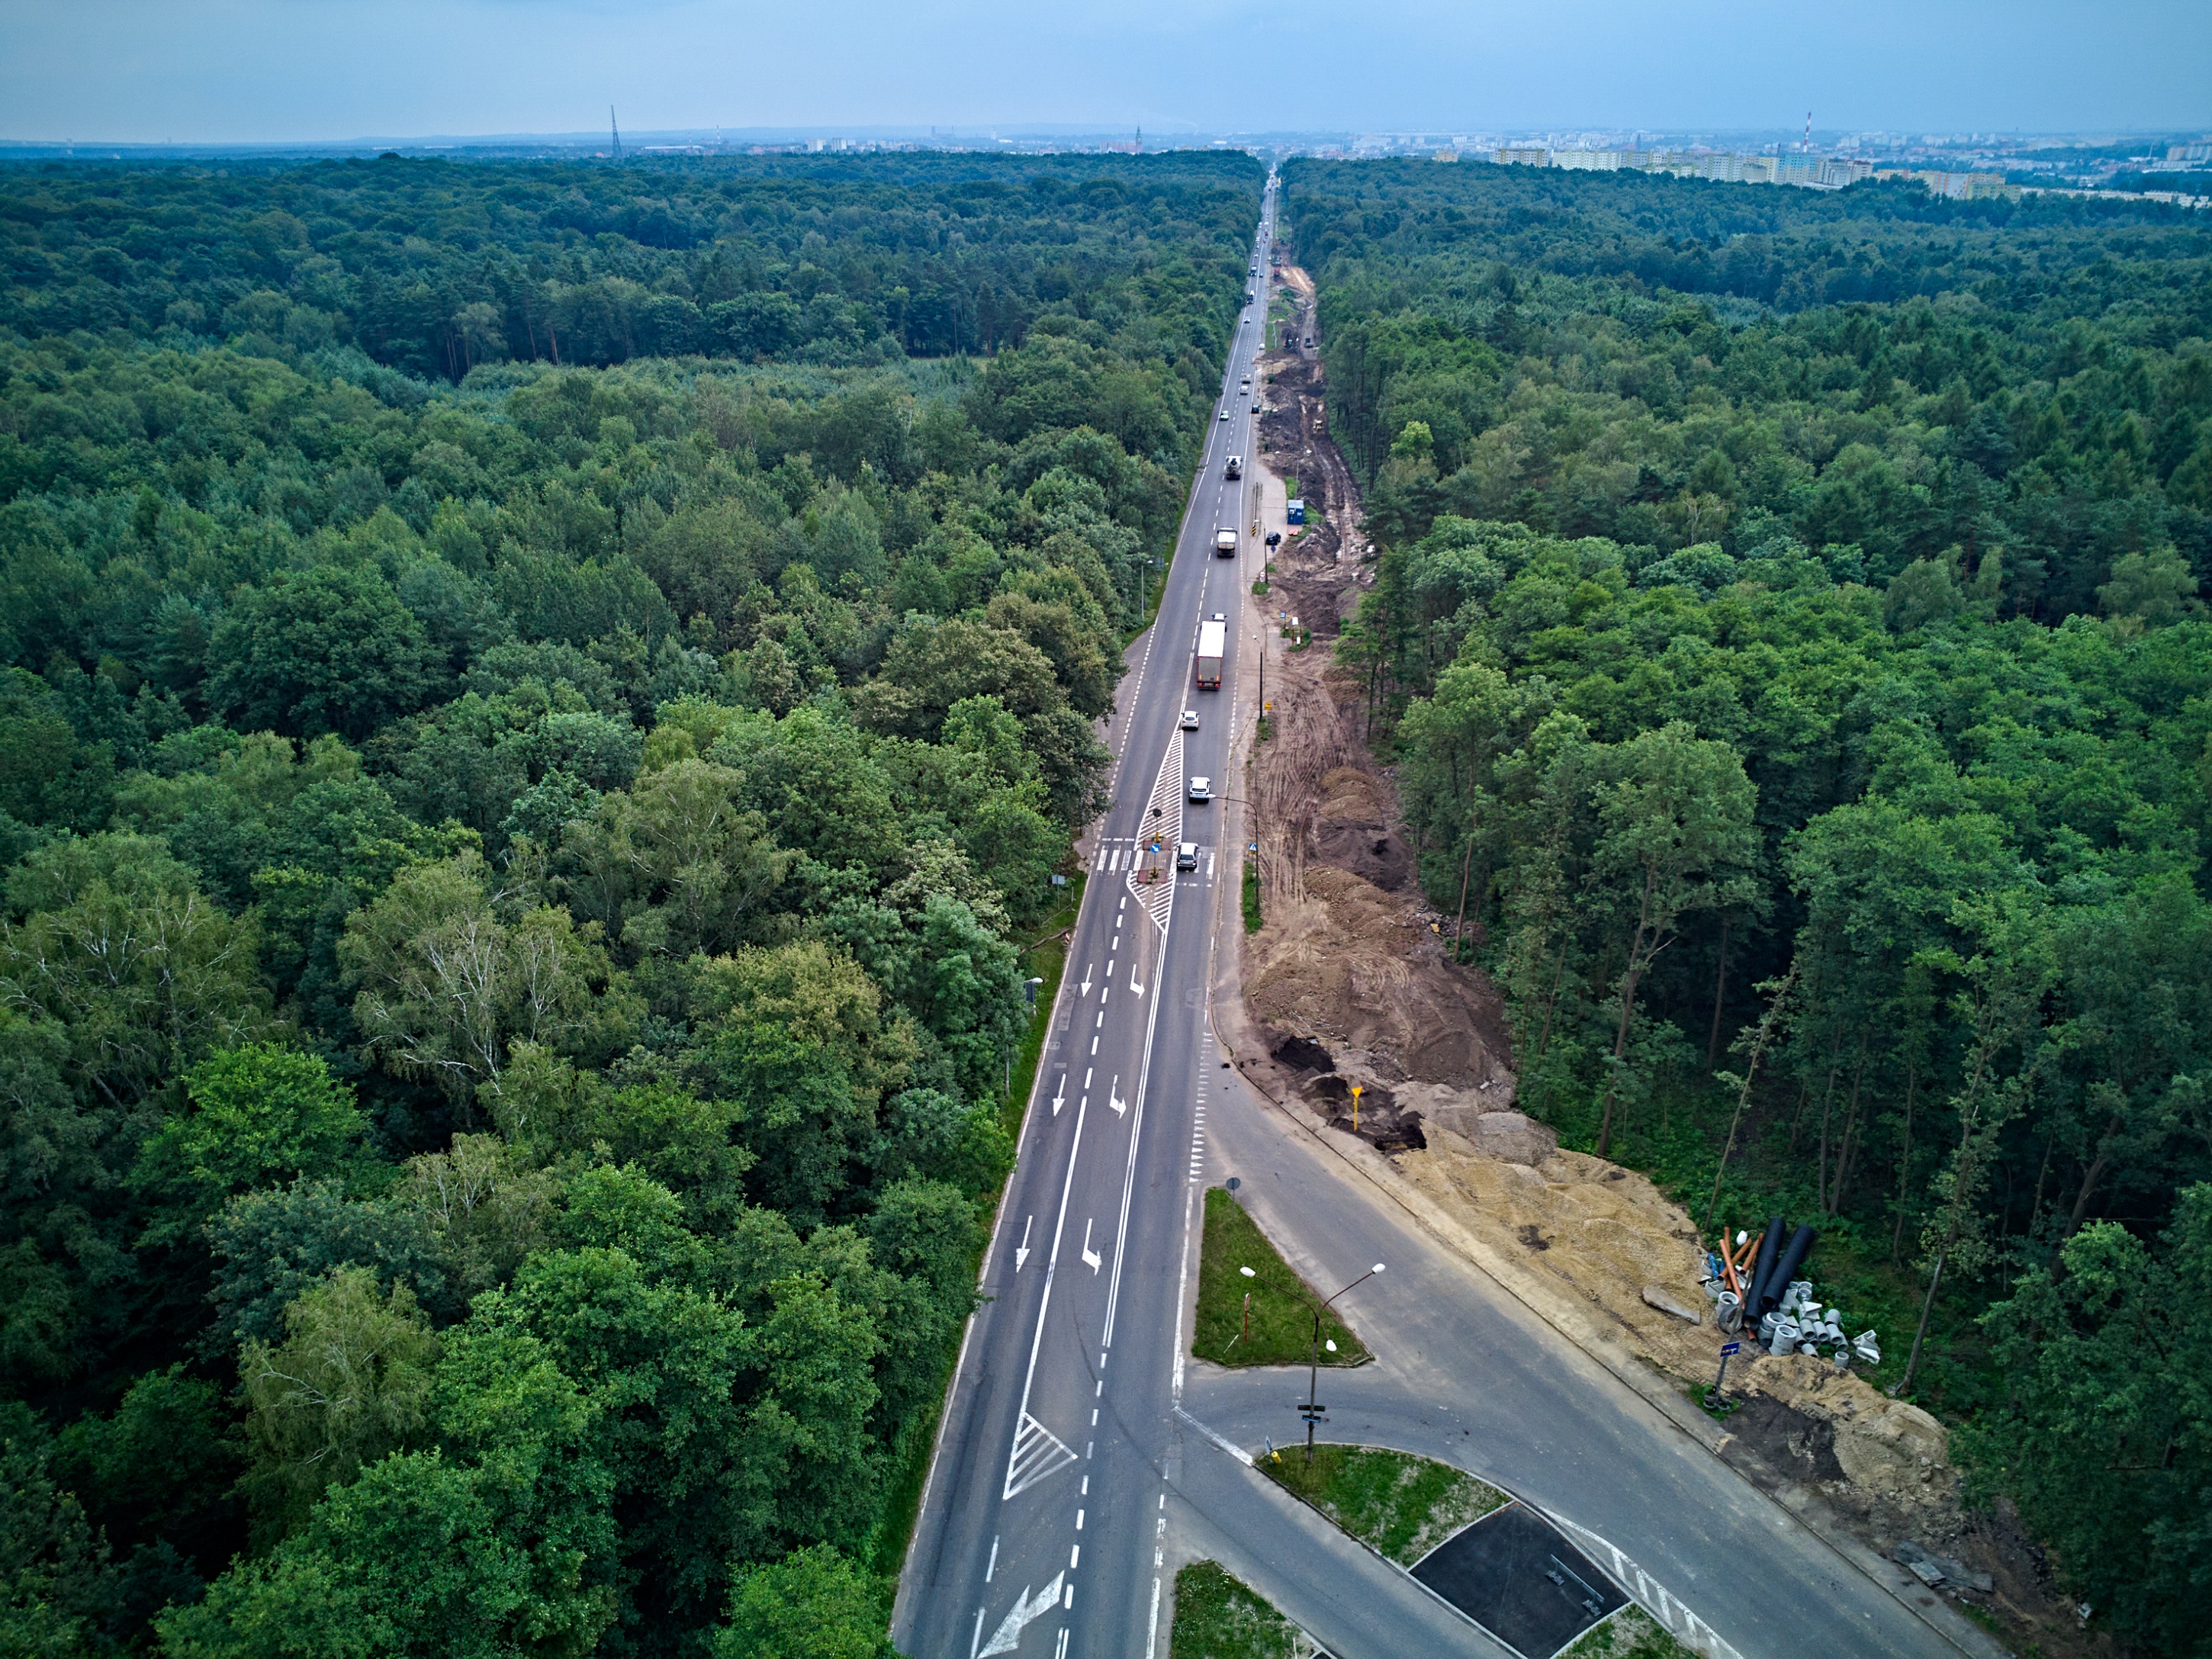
<point x="1958" y="187"/>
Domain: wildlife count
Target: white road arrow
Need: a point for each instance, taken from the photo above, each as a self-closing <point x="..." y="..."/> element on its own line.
<point x="1060" y="1094"/>
<point x="1008" y="1636"/>
<point x="1119" y="1105"/>
<point x="1086" y="979"/>
<point x="1022" y="1249"/>
<point x="1090" y="1257"/>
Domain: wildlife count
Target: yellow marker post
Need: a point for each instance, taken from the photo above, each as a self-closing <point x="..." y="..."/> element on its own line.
<point x="1355" y="1108"/>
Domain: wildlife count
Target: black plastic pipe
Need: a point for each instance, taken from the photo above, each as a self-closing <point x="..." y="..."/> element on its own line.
<point x="1774" y="1289"/>
<point x="1769" y="1248"/>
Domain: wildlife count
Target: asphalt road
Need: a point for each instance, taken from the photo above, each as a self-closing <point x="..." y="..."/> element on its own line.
<point x="1466" y="1374"/>
<point x="1082" y="1456"/>
<point x="1042" y="1525"/>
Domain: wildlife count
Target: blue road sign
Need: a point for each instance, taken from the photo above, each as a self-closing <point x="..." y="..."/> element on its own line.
<point x="1731" y="1347"/>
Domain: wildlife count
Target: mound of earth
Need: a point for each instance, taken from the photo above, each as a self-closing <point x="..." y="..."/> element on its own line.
<point x="1612" y="1242"/>
<point x="1352" y="830"/>
<point x="1349" y="964"/>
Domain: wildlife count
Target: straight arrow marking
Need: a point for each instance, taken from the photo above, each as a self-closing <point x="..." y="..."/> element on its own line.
<point x="1090" y="1257"/>
<point x="1022" y="1249"/>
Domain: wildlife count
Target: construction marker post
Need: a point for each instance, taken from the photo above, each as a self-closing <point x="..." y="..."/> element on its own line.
<point x="1355" y="1108"/>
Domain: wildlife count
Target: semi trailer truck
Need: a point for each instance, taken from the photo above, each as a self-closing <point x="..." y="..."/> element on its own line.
<point x="1212" y="638"/>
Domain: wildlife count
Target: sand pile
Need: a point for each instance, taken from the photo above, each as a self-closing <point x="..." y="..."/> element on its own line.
<point x="1353" y="966"/>
<point x="1610" y="1239"/>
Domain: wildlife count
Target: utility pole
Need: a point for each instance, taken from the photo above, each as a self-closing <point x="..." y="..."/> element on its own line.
<point x="615" y="127"/>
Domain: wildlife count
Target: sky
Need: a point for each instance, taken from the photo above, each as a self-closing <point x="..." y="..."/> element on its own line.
<point x="207" y="71"/>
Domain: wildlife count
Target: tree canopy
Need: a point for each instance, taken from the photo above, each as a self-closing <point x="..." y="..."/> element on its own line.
<point x="1788" y="619"/>
<point x="539" y="705"/>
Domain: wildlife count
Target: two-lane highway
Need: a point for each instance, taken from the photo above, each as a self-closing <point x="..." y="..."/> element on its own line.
<point x="1043" y="1522"/>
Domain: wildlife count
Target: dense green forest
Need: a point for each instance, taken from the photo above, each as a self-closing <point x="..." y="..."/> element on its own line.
<point x="516" y="874"/>
<point x="1788" y="623"/>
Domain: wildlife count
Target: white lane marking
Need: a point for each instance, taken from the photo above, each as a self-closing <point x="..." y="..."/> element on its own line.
<point x="1090" y="1260"/>
<point x="1021" y="1254"/>
<point x="1041" y="1461"/>
<point x="994" y="1566"/>
<point x="1234" y="1450"/>
<point x="1653" y="1596"/>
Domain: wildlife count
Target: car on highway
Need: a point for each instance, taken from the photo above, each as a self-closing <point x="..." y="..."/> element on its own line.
<point x="1255" y="405"/>
<point x="1189" y="722"/>
<point x="1224" y="413"/>
<point x="1201" y="789"/>
<point x="1187" y="856"/>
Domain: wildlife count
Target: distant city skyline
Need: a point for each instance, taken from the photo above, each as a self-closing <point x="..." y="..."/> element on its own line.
<point x="199" y="72"/>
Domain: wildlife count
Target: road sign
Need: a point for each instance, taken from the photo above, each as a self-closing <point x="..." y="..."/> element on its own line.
<point x="1731" y="1347"/>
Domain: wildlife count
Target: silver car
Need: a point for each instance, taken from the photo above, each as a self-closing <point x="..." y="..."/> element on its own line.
<point x="1201" y="789"/>
<point x="1189" y="719"/>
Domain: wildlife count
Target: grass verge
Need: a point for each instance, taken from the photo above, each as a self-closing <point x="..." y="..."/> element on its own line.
<point x="1251" y="896"/>
<point x="1631" y="1633"/>
<point x="1398" y="1505"/>
<point x="1219" y="1616"/>
<point x="1280" y="1330"/>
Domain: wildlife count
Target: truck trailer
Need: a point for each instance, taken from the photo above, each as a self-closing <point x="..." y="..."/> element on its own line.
<point x="1212" y="638"/>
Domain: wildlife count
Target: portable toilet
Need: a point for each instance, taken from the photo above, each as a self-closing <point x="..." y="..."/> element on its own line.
<point x="1297" y="512"/>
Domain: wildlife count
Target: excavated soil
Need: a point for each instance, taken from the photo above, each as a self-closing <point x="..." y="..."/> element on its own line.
<point x="1349" y="958"/>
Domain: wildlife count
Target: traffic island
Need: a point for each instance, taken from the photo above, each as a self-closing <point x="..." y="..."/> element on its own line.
<point x="1631" y="1633"/>
<point x="1498" y="1561"/>
<point x="1252" y="1309"/>
<point x="1514" y="1574"/>
<point x="1399" y="1506"/>
<point x="1219" y="1616"/>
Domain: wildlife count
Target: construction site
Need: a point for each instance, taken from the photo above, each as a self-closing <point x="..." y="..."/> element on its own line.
<point x="1360" y="1022"/>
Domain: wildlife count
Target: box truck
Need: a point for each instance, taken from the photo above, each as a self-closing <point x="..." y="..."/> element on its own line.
<point x="1213" y="637"/>
<point x="1224" y="543"/>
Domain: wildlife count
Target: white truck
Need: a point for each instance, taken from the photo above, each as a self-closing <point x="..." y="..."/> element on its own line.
<point x="1224" y="542"/>
<point x="1212" y="640"/>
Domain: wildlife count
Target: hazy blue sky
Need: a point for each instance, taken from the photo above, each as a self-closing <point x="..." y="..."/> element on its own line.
<point x="198" y="71"/>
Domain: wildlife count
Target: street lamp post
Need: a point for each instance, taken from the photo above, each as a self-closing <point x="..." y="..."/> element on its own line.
<point x="1312" y="1409"/>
